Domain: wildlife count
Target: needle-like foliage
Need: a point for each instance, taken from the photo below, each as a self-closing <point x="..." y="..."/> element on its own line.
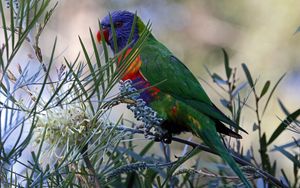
<point x="55" y="129"/>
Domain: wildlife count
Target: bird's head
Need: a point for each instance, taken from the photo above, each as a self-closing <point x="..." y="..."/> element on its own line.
<point x="122" y="22"/>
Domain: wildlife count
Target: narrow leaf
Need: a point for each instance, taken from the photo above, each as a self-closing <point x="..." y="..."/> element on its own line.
<point x="113" y="33"/>
<point x="297" y="30"/>
<point x="265" y="89"/>
<point x="283" y="108"/>
<point x="180" y="162"/>
<point x="225" y="103"/>
<point x="275" y="86"/>
<point x="12" y="24"/>
<point x="218" y="79"/>
<point x="248" y="75"/>
<point x="226" y="63"/>
<point x="239" y="88"/>
<point x="273" y="168"/>
<point x="285" y="178"/>
<point x="292" y="144"/>
<point x="283" y="125"/>
<point x="255" y="127"/>
<point x="289" y="155"/>
<point x="295" y="167"/>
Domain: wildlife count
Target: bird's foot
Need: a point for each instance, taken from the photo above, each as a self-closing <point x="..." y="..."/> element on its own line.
<point x="165" y="138"/>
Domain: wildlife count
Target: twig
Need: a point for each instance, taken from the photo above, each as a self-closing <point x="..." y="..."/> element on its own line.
<point x="238" y="158"/>
<point x="206" y="173"/>
<point x="90" y="166"/>
<point x="116" y="101"/>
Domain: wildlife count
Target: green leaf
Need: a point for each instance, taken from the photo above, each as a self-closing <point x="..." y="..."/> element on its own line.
<point x="295" y="167"/>
<point x="114" y="33"/>
<point x="218" y="79"/>
<point x="290" y="156"/>
<point x="39" y="10"/>
<point x="150" y="176"/>
<point x="226" y="63"/>
<point x="98" y="61"/>
<point x="180" y="162"/>
<point x="225" y="103"/>
<point x="91" y="68"/>
<point x="105" y="50"/>
<point x="285" y="177"/>
<point x="248" y="75"/>
<point x="273" y="168"/>
<point x="132" y="28"/>
<point x="255" y="127"/>
<point x="12" y="24"/>
<point x="283" y="108"/>
<point x="237" y="90"/>
<point x="265" y="89"/>
<point x="159" y="182"/>
<point x="275" y="86"/>
<point x="283" y="125"/>
<point x="6" y="37"/>
<point x="292" y="144"/>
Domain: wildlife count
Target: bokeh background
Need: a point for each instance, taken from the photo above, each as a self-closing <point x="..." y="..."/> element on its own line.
<point x="258" y="33"/>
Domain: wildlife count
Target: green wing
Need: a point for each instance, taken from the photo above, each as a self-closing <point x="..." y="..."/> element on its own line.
<point x="161" y="67"/>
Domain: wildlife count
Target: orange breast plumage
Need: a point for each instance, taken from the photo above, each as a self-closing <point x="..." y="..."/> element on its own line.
<point x="133" y="68"/>
<point x="139" y="81"/>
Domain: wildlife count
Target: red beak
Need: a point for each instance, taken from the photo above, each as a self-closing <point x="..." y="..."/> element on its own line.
<point x="105" y="34"/>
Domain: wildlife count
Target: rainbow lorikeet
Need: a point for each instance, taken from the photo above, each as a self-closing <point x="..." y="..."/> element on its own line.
<point x="176" y="95"/>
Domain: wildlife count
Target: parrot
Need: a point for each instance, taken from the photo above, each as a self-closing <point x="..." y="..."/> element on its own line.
<point x="174" y="93"/>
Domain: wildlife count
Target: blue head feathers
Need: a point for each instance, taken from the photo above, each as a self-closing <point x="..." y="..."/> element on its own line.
<point x="122" y="22"/>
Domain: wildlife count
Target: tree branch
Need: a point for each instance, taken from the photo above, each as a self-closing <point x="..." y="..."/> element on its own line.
<point x="238" y="158"/>
<point x="90" y="166"/>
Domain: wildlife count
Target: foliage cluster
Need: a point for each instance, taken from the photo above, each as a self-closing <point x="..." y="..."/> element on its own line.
<point x="64" y="119"/>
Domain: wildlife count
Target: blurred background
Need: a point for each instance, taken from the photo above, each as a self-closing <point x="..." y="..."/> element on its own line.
<point x="258" y="33"/>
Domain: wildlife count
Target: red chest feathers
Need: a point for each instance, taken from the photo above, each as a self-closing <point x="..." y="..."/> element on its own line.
<point x="139" y="81"/>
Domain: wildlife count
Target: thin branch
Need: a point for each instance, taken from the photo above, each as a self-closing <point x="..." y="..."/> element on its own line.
<point x="90" y="166"/>
<point x="238" y="158"/>
<point x="206" y="173"/>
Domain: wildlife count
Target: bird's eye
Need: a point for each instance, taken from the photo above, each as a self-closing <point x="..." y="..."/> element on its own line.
<point x="118" y="24"/>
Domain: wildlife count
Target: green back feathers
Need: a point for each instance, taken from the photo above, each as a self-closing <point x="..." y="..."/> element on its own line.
<point x="141" y="26"/>
<point x="160" y="67"/>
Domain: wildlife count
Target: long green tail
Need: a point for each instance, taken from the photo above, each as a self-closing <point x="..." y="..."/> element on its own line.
<point x="203" y="127"/>
<point x="212" y="139"/>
